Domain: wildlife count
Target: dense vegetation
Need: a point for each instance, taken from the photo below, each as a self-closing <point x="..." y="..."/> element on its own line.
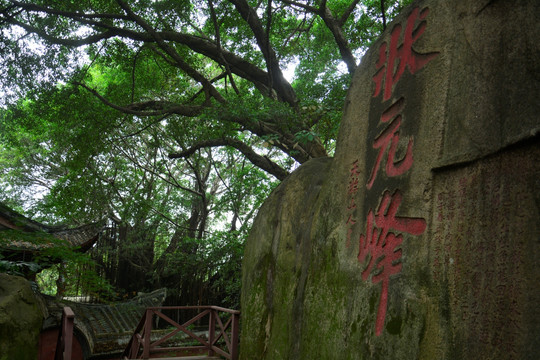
<point x="171" y="121"/>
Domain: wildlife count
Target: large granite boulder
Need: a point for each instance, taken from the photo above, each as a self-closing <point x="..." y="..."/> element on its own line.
<point x="21" y="317"/>
<point x="420" y="239"/>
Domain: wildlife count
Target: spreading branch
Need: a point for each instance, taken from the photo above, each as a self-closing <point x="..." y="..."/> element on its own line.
<point x="129" y="25"/>
<point x="260" y="161"/>
<point x="284" y="90"/>
<point x="343" y="45"/>
<point x="335" y="27"/>
<point x="148" y="108"/>
<point x="218" y="44"/>
<point x="169" y="50"/>
<point x="345" y="16"/>
<point x="201" y="45"/>
<point x="204" y="46"/>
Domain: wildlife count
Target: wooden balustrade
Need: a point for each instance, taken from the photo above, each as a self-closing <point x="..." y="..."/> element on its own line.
<point x="223" y="334"/>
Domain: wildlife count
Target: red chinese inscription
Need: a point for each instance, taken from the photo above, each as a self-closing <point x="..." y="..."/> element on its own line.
<point x="379" y="246"/>
<point x="389" y="139"/>
<point x="380" y="243"/>
<point x="393" y="61"/>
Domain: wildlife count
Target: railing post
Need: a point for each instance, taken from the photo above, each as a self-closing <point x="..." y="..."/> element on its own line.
<point x="134" y="350"/>
<point x="147" y="334"/>
<point x="69" y="317"/>
<point x="234" y="336"/>
<point x="211" y="330"/>
<point x="65" y="337"/>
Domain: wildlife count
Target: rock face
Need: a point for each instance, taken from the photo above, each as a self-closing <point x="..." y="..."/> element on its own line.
<point x="21" y="318"/>
<point x="420" y="239"/>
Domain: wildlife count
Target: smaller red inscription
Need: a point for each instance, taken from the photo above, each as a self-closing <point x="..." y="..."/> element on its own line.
<point x="353" y="178"/>
<point x="352" y="189"/>
<point x="355" y="170"/>
<point x="380" y="244"/>
<point x="353" y="186"/>
<point x="352" y="204"/>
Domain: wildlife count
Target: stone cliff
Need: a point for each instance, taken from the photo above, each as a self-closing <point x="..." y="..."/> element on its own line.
<point x="420" y="239"/>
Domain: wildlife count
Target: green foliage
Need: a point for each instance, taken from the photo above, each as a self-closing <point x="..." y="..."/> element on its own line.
<point x="19" y="268"/>
<point x="77" y="268"/>
<point x="80" y="277"/>
<point x="216" y="265"/>
<point x="46" y="280"/>
<point x="99" y="93"/>
<point x="227" y="275"/>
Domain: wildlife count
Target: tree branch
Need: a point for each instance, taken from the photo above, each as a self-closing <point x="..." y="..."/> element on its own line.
<point x="62" y="41"/>
<point x="335" y="28"/>
<point x="260" y="161"/>
<point x="218" y="44"/>
<point x="138" y="109"/>
<point x="348" y="13"/>
<point x="209" y="88"/>
<point x="306" y="7"/>
<point x="70" y="14"/>
<point x="201" y="45"/>
<point x="295" y="31"/>
<point x="284" y="90"/>
<point x="157" y="121"/>
<point x="383" y="12"/>
<point x="267" y="45"/>
<point x="343" y="45"/>
<point x="162" y="43"/>
<point x="135" y="162"/>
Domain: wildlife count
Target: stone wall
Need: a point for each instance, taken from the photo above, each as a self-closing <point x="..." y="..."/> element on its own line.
<point x="420" y="239"/>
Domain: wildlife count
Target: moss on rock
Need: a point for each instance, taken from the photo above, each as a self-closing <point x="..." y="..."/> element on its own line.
<point x="21" y="319"/>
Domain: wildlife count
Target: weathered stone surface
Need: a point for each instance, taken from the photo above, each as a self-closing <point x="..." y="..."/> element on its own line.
<point x="279" y="259"/>
<point x="420" y="239"/>
<point x="485" y="255"/>
<point x="20" y="319"/>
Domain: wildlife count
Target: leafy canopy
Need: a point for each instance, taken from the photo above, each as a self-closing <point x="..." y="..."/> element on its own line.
<point x="173" y="118"/>
<point x="218" y="63"/>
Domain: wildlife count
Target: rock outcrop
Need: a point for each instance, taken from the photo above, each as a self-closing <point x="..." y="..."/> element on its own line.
<point x="21" y="317"/>
<point x="420" y="239"/>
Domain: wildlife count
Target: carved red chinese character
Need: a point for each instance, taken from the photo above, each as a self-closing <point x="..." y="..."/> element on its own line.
<point x="381" y="243"/>
<point x="355" y="171"/>
<point x="353" y="186"/>
<point x="352" y="204"/>
<point x="389" y="139"/>
<point x="403" y="55"/>
<point x="353" y="178"/>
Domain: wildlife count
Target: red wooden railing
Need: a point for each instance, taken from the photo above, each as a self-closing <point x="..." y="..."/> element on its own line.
<point x="227" y="331"/>
<point x="64" y="346"/>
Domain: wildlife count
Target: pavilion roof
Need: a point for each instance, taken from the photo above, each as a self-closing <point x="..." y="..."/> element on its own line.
<point x="21" y="234"/>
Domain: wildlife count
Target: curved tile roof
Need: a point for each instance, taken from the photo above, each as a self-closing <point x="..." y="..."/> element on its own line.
<point x="107" y="328"/>
<point x="21" y="234"/>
